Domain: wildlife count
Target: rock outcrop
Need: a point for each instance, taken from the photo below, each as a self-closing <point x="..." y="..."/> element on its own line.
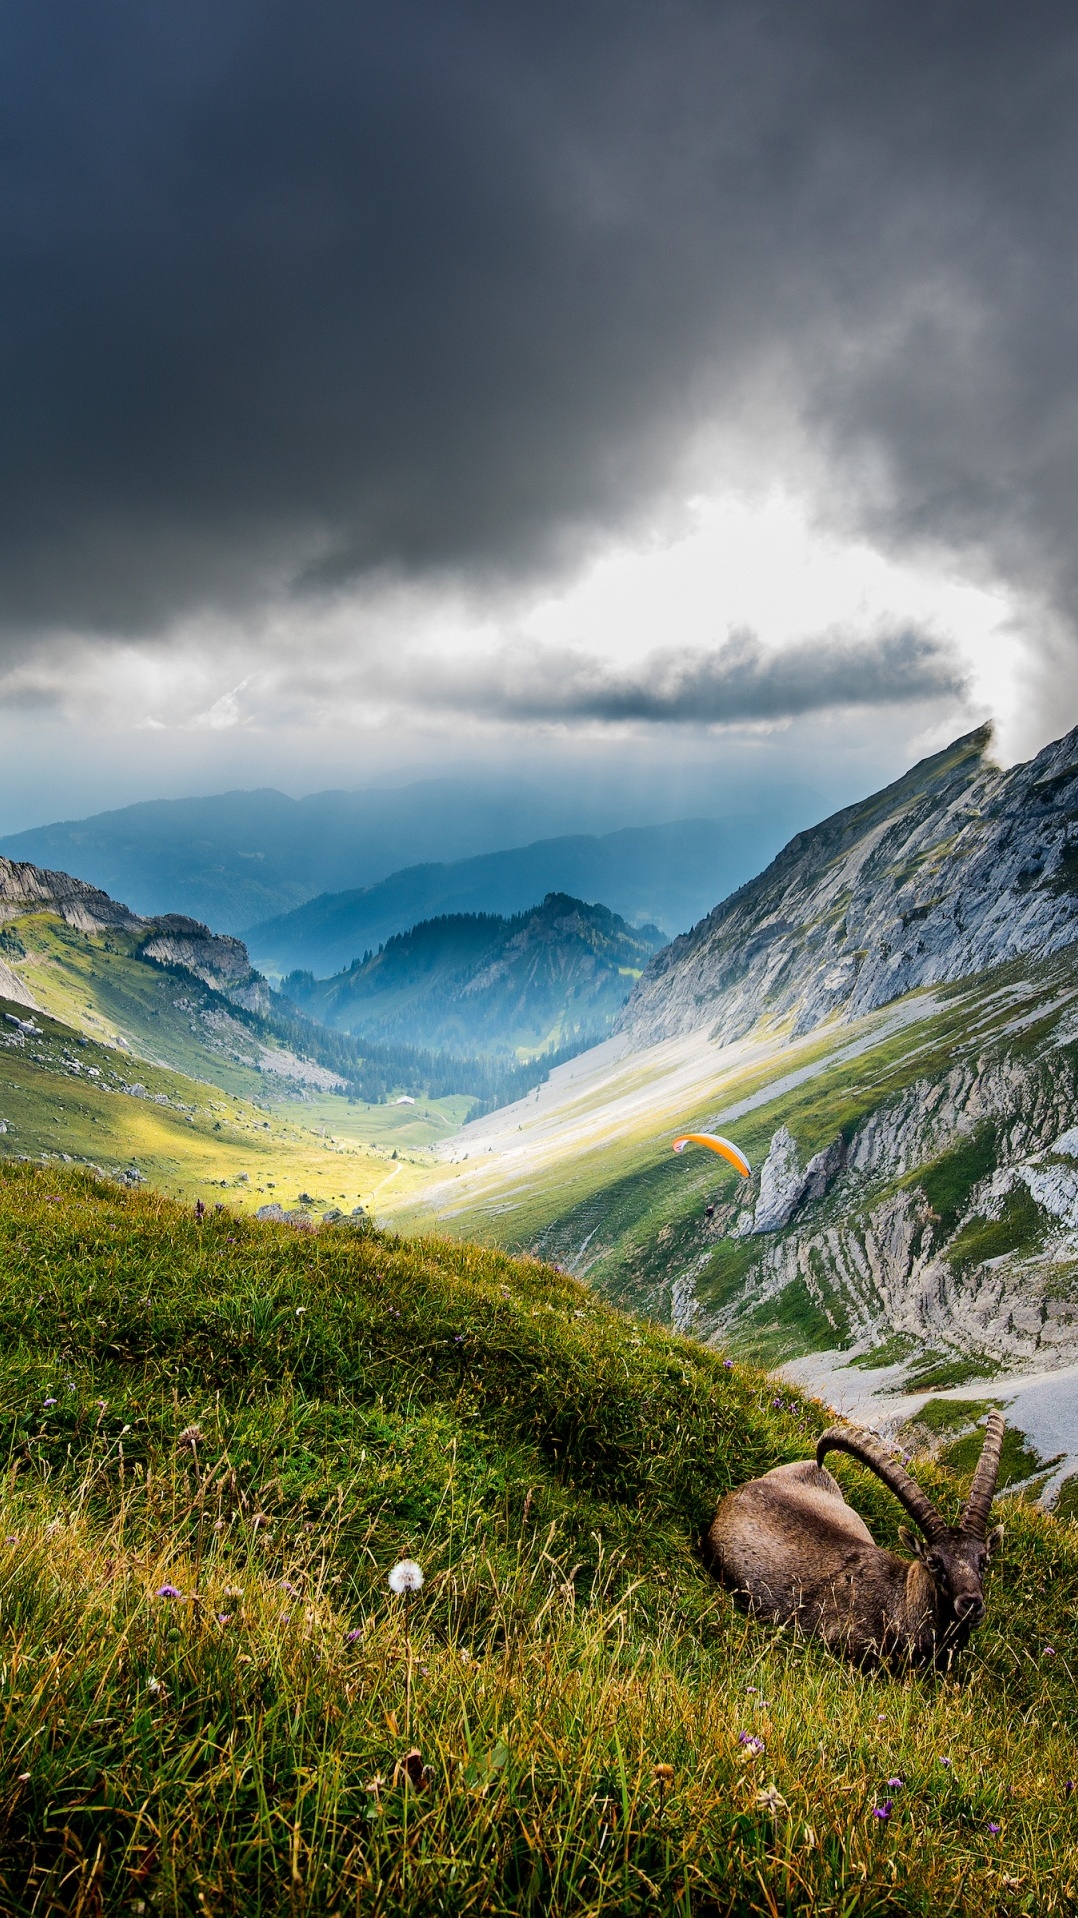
<point x="784" y="1186"/>
<point x="172" y="940"/>
<point x="26" y="888"/>
<point x="215" y="958"/>
<point x="956" y="867"/>
<point x="875" y="1259"/>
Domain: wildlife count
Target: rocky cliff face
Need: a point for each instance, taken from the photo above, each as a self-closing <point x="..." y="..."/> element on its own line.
<point x="26" y="888"/>
<point x="944" y="1221"/>
<point x="219" y="961"/>
<point x="993" y="1278"/>
<point x="956" y="867"/>
<point x="215" y="958"/>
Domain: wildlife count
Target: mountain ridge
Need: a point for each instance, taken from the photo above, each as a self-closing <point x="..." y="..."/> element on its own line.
<point x="953" y="868"/>
<point x="643" y="873"/>
<point x="217" y="959"/>
<point x="237" y="859"/>
<point x="479" y="980"/>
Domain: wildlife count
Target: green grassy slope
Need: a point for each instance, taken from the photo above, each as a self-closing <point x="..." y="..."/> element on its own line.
<point x="97" y="982"/>
<point x="64" y="1096"/>
<point x="213" y="1111"/>
<point x="260" y="1423"/>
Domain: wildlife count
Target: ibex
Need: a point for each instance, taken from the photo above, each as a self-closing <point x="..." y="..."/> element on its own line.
<point x="791" y="1548"/>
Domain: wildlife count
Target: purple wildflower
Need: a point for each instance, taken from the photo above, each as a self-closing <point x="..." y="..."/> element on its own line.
<point x="945" y="1761"/>
<point x="356" y="1632"/>
<point x="777" y="1403"/>
<point x="750" y="1741"/>
<point x="1049" y="1651"/>
<point x="168" y="1591"/>
<point x="224" y="1618"/>
<point x="895" y="1784"/>
<point x="994" y="1828"/>
<point x="1068" y="1788"/>
<point x="884" y="1810"/>
<point x="50" y="1401"/>
<point x="728" y="1365"/>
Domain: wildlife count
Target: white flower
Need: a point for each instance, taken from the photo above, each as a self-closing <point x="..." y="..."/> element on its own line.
<point x="406" y="1576"/>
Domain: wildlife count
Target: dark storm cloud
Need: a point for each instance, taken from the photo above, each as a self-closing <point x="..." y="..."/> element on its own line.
<point x="738" y="682"/>
<point x="294" y="293"/>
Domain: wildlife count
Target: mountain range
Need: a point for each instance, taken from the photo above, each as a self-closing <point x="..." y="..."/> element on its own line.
<point x="235" y="860"/>
<point x="476" y="982"/>
<point x="657" y="875"/>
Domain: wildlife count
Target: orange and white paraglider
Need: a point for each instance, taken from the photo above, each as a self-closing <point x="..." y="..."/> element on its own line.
<point x="715" y="1143"/>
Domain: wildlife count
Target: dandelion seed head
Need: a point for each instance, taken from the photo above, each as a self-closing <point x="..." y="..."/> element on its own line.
<point x="406" y="1576"/>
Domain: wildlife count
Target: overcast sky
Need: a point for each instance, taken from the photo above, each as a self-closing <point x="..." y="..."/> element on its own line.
<point x="616" y="388"/>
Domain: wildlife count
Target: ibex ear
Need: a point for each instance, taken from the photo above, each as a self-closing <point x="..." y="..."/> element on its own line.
<point x="994" y="1539"/>
<point x="912" y="1541"/>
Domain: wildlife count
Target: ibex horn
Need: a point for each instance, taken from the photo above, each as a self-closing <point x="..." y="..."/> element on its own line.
<point x="983" y="1490"/>
<point x="860" y="1446"/>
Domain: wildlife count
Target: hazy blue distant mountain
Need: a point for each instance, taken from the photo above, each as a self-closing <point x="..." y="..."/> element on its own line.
<point x="477" y="983"/>
<point x="666" y="875"/>
<point x="237" y="859"/>
<point x="234" y="858"/>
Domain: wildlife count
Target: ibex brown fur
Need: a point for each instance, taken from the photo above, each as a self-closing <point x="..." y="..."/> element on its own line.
<point x="790" y="1547"/>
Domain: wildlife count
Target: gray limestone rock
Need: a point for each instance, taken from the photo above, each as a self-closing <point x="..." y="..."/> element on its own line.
<point x="782" y="1182"/>
<point x="956" y="867"/>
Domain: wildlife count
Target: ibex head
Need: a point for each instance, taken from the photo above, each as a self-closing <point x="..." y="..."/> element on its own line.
<point x="955" y="1556"/>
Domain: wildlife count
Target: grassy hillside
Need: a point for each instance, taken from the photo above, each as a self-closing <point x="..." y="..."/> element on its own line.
<point x="220" y="1438"/>
<point x="478" y="983"/>
<point x="63" y="1096"/>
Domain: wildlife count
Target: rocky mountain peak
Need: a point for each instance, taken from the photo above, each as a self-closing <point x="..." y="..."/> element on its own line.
<point x="956" y="866"/>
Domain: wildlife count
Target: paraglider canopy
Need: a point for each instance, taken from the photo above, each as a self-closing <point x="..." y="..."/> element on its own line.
<point x="716" y="1144"/>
